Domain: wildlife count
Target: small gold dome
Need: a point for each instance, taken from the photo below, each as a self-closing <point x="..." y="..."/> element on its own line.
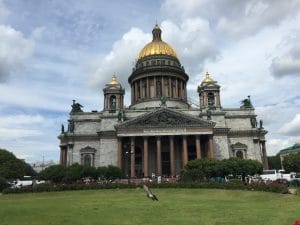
<point x="208" y="79"/>
<point x="157" y="46"/>
<point x="114" y="80"/>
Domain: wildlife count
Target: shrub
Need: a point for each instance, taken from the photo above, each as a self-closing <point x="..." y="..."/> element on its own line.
<point x="295" y="183"/>
<point x="53" y="173"/>
<point x="113" y="172"/>
<point x="237" y="185"/>
<point x="196" y="170"/>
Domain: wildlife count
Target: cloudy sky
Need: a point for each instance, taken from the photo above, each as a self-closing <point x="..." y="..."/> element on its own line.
<point x="53" y="51"/>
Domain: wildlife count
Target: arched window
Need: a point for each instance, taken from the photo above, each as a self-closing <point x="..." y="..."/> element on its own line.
<point x="112" y="102"/>
<point x="239" y="154"/>
<point x="211" y="99"/>
<point x="87" y="160"/>
<point x="239" y="150"/>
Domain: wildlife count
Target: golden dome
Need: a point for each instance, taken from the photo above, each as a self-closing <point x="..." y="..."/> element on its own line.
<point x="114" y="80"/>
<point x="208" y="79"/>
<point x="157" y="46"/>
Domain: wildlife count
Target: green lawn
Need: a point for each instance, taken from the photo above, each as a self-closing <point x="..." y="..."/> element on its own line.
<point x="130" y="206"/>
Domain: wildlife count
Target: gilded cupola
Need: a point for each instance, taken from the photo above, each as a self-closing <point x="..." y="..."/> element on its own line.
<point x="158" y="75"/>
<point x="157" y="46"/>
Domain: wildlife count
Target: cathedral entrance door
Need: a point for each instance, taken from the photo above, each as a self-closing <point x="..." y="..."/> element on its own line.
<point x="138" y="162"/>
<point x="165" y="160"/>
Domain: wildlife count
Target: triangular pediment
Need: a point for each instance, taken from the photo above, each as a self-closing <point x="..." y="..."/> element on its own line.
<point x="165" y="117"/>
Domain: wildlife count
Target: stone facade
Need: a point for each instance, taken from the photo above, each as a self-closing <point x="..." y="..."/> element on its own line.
<point x="160" y="131"/>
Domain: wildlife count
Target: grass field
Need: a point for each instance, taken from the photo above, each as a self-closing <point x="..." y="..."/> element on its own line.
<point x="130" y="206"/>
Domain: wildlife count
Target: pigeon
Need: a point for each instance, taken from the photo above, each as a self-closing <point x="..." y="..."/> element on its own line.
<point x="149" y="193"/>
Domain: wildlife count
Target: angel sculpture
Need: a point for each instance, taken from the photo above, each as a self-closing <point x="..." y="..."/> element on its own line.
<point x="149" y="193"/>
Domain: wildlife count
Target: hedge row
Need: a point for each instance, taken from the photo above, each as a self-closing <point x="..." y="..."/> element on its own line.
<point x="277" y="188"/>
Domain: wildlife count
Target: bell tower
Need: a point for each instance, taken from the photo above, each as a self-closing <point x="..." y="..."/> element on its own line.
<point x="209" y="93"/>
<point x="113" y="95"/>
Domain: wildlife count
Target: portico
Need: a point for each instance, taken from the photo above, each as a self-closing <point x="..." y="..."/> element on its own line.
<point x="154" y="148"/>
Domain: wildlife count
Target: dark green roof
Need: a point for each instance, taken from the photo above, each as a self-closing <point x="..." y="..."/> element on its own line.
<point x="293" y="149"/>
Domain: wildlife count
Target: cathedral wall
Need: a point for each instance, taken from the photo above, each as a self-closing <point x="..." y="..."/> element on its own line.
<point x="253" y="149"/>
<point x="238" y="112"/>
<point x="78" y="145"/>
<point x="219" y="120"/>
<point x="239" y="123"/>
<point x="108" y="152"/>
<point x="86" y="127"/>
<point x="107" y="124"/>
<point x="85" y="116"/>
<point x="221" y="147"/>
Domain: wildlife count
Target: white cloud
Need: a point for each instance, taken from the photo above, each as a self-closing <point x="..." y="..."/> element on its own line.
<point x="28" y="136"/>
<point x="20" y="120"/>
<point x="293" y="127"/>
<point x="274" y="145"/>
<point x="193" y="40"/>
<point x="21" y="126"/>
<point x="288" y="62"/>
<point x="120" y="59"/>
<point x="14" y="50"/>
<point x="233" y="18"/>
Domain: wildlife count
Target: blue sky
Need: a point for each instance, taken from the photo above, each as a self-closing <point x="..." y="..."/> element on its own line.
<point x="52" y="52"/>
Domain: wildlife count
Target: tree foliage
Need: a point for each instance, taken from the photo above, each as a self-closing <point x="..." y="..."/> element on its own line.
<point x="11" y="167"/>
<point x="3" y="184"/>
<point x="204" y="169"/>
<point x="54" y="173"/>
<point x="291" y="163"/>
<point x="75" y="172"/>
<point x="274" y="162"/>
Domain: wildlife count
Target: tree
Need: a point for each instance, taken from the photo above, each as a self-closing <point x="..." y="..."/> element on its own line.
<point x="3" y="184"/>
<point x="291" y="163"/>
<point x="274" y="162"/>
<point x="113" y="172"/>
<point x="11" y="167"/>
<point x="89" y="171"/>
<point x="101" y="172"/>
<point x="53" y="173"/>
<point x="73" y="173"/>
<point x="196" y="170"/>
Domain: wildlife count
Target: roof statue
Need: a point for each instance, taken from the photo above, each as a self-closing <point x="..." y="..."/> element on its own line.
<point x="246" y="103"/>
<point x="163" y="101"/>
<point x="76" y="107"/>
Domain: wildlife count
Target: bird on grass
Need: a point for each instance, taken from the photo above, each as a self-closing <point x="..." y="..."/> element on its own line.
<point x="149" y="193"/>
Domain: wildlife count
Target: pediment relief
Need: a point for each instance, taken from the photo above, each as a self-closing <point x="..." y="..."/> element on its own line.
<point x="166" y="118"/>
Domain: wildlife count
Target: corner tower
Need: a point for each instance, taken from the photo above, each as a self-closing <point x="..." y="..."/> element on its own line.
<point x="113" y="95"/>
<point x="209" y="93"/>
<point x="158" y="75"/>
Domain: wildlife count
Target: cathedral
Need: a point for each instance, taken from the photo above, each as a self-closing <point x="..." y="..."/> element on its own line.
<point x="161" y="130"/>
